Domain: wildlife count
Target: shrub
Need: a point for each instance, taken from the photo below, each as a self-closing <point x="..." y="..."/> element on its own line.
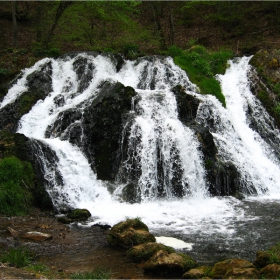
<point x="18" y="257"/>
<point x="16" y="181"/>
<point x="202" y="66"/>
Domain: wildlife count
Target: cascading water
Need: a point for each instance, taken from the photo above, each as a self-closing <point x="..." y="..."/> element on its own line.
<point x="163" y="154"/>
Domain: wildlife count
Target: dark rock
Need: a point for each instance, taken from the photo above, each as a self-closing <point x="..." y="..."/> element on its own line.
<point x="262" y="259"/>
<point x="130" y="233"/>
<point x="65" y="220"/>
<point x="131" y="194"/>
<point x="79" y="215"/>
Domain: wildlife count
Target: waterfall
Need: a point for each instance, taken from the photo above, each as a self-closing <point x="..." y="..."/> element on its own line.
<point x="160" y="155"/>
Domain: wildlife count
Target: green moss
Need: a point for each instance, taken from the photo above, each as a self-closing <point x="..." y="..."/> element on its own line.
<point x="188" y="262"/>
<point x="274" y="253"/>
<point x="16" y="182"/>
<point x="142" y="253"/>
<point x="201" y="67"/>
<point x="79" y="214"/>
<point x="26" y="102"/>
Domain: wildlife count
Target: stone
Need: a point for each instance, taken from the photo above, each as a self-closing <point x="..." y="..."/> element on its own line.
<point x="221" y="268"/>
<point x="197" y="273"/>
<point x="262" y="259"/>
<point x="37" y="236"/>
<point x="242" y="273"/>
<point x="271" y="271"/>
<point x="130" y="233"/>
<point x="144" y="252"/>
<point x="164" y="264"/>
<point x="79" y="215"/>
<point x="13" y="232"/>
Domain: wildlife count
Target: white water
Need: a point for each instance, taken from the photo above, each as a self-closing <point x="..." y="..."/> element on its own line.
<point x="158" y="123"/>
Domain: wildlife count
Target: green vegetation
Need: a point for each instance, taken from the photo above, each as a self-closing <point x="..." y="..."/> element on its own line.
<point x="274" y="253"/>
<point x="16" y="181"/>
<point x="38" y="267"/>
<point x="98" y="273"/>
<point x="201" y="67"/>
<point x="18" y="257"/>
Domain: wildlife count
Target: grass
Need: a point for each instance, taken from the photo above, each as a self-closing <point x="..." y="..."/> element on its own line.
<point x="201" y="67"/>
<point x="98" y="273"/>
<point x="18" y="257"/>
<point x="16" y="181"/>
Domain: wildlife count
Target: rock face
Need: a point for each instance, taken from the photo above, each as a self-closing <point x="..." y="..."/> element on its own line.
<point x="130" y="233"/>
<point x="39" y="84"/>
<point x="164" y="264"/>
<point x="233" y="268"/>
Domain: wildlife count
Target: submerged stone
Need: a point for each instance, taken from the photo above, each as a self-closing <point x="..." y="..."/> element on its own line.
<point x="79" y="215"/>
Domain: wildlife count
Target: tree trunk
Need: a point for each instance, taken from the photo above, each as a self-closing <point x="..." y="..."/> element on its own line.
<point x="156" y="8"/>
<point x="15" y="26"/>
<point x="63" y="5"/>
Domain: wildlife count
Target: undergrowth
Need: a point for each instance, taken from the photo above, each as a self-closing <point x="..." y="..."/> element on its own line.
<point x="98" y="273"/>
<point x="201" y="67"/>
<point x="16" y="181"/>
<point x="18" y="257"/>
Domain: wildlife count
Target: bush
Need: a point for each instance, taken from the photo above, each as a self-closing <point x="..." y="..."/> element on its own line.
<point x="18" y="257"/>
<point x="201" y="67"/>
<point x="16" y="181"/>
<point x="96" y="274"/>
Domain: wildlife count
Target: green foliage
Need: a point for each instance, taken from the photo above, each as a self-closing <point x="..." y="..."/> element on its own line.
<point x="38" y="267"/>
<point x="18" y="257"/>
<point x="202" y="66"/>
<point x="174" y="51"/>
<point x="277" y="109"/>
<point x="274" y="253"/>
<point x="16" y="181"/>
<point x="98" y="273"/>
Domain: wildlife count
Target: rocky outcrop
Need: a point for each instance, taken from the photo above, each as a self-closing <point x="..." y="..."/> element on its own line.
<point x="164" y="264"/>
<point x="39" y="84"/>
<point x="130" y="233"/>
<point x="230" y="267"/>
<point x="271" y="271"/>
<point x="198" y="273"/>
<point x="144" y="252"/>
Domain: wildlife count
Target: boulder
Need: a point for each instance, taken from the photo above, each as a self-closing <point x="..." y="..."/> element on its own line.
<point x="79" y="215"/>
<point x="271" y="271"/>
<point x="198" y="273"/>
<point x="144" y="252"/>
<point x="262" y="259"/>
<point x="220" y="269"/>
<point x="164" y="264"/>
<point x="242" y="273"/>
<point x="130" y="233"/>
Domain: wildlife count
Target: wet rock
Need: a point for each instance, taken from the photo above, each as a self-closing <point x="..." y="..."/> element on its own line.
<point x="262" y="259"/>
<point x="131" y="194"/>
<point x="37" y="236"/>
<point x="164" y="264"/>
<point x="242" y="273"/>
<point x="144" y="252"/>
<point x="221" y="268"/>
<point x="79" y="215"/>
<point x="197" y="273"/>
<point x="271" y="271"/>
<point x="65" y="220"/>
<point x="130" y="233"/>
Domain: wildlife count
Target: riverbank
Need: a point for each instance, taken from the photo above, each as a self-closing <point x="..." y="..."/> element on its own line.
<point x="72" y="250"/>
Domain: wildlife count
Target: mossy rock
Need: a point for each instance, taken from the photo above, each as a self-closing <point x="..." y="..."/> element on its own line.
<point x="262" y="259"/>
<point x="164" y="264"/>
<point x="144" y="252"/>
<point x="242" y="273"/>
<point x="220" y="269"/>
<point x="198" y="273"/>
<point x="79" y="215"/>
<point x="271" y="271"/>
<point x="130" y="233"/>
